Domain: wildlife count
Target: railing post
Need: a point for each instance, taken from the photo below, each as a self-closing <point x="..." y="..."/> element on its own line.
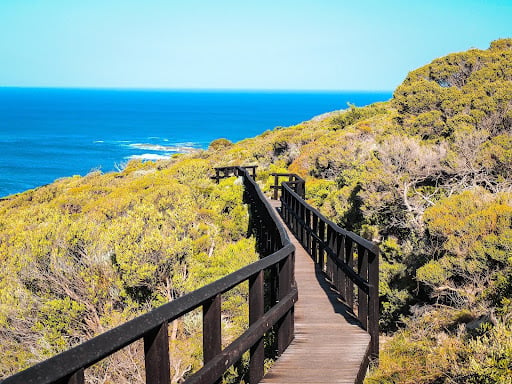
<point x="304" y="225"/>
<point x="156" y="351"/>
<point x="373" y="302"/>
<point x="331" y="244"/>
<point x="211" y="329"/>
<point x="272" y="282"/>
<point x="276" y="185"/>
<point x="293" y="215"/>
<point x="314" y="246"/>
<point x="76" y="378"/>
<point x="321" y="252"/>
<point x="362" y="297"/>
<point x="296" y="216"/>
<point x="301" y="189"/>
<point x="268" y="240"/>
<point x="256" y="310"/>
<point x="349" y="260"/>
<point x="284" y="206"/>
<point x="259" y="235"/>
<point x="340" y="253"/>
<point x="301" y="223"/>
<point x="308" y="231"/>
<point x="286" y="324"/>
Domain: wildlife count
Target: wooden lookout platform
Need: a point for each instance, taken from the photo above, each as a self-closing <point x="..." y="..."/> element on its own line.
<point x="329" y="345"/>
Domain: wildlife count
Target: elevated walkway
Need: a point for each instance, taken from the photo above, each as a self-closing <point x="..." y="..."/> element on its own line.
<point x="329" y="345"/>
<point x="319" y="336"/>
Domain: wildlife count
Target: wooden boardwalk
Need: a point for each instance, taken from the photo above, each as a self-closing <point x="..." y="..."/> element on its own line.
<point x="329" y="346"/>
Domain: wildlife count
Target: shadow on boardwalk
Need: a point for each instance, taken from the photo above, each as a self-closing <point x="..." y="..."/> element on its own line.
<point x="329" y="344"/>
<point x="338" y="306"/>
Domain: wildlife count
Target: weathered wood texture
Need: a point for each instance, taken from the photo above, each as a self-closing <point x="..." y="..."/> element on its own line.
<point x="329" y="344"/>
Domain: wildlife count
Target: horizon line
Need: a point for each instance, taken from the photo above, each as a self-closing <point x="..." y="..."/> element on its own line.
<point x="193" y="89"/>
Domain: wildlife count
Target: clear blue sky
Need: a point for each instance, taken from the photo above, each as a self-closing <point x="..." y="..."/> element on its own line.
<point x="264" y="44"/>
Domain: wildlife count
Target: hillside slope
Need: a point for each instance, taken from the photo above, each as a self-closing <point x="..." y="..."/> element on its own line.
<point x="427" y="175"/>
<point x="86" y="254"/>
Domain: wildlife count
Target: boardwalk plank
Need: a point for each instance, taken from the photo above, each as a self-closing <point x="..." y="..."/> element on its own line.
<point x="329" y="345"/>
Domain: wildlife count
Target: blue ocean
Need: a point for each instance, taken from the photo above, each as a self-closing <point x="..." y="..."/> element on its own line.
<point x="46" y="134"/>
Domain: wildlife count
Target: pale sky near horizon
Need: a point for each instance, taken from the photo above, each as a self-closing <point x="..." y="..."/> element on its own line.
<point x="229" y="44"/>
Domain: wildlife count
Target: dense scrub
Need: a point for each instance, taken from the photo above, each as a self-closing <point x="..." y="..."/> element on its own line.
<point x="85" y="254"/>
<point x="427" y="175"/>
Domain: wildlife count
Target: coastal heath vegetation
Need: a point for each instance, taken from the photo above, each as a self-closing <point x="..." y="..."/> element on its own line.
<point x="86" y="254"/>
<point x="426" y="175"/>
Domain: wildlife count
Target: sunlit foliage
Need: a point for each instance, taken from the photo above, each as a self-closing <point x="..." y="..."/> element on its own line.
<point x="85" y="254"/>
<point x="427" y="175"/>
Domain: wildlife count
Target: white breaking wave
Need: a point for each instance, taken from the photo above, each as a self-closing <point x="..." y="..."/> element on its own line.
<point x="162" y="148"/>
<point x="147" y="156"/>
<point x="188" y="144"/>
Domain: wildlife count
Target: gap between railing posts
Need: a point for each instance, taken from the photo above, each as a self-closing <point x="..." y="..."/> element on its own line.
<point x="272" y="296"/>
<point x="350" y="262"/>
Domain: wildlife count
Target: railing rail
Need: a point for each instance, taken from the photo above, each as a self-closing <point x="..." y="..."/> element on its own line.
<point x="350" y="262"/>
<point x="224" y="172"/>
<point x="294" y="181"/>
<point x="274" y="270"/>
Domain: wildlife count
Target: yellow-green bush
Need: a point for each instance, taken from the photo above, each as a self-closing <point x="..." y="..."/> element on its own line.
<point x="83" y="255"/>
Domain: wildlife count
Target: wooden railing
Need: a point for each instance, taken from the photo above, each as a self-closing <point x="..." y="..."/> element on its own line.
<point x="272" y="294"/>
<point x="224" y="172"/>
<point x="350" y="262"/>
<point x="294" y="181"/>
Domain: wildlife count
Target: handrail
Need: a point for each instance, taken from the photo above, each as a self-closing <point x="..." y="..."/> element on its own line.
<point x="296" y="182"/>
<point x="272" y="294"/>
<point x="224" y="172"/>
<point x="274" y="270"/>
<point x="336" y="250"/>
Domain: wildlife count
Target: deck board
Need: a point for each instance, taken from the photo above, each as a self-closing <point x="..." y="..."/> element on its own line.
<point x="329" y="346"/>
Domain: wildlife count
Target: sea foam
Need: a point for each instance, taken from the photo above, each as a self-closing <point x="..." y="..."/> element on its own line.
<point x="162" y="148"/>
<point x="147" y="156"/>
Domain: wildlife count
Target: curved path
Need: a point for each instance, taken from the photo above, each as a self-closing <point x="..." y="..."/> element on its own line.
<point x="329" y="346"/>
